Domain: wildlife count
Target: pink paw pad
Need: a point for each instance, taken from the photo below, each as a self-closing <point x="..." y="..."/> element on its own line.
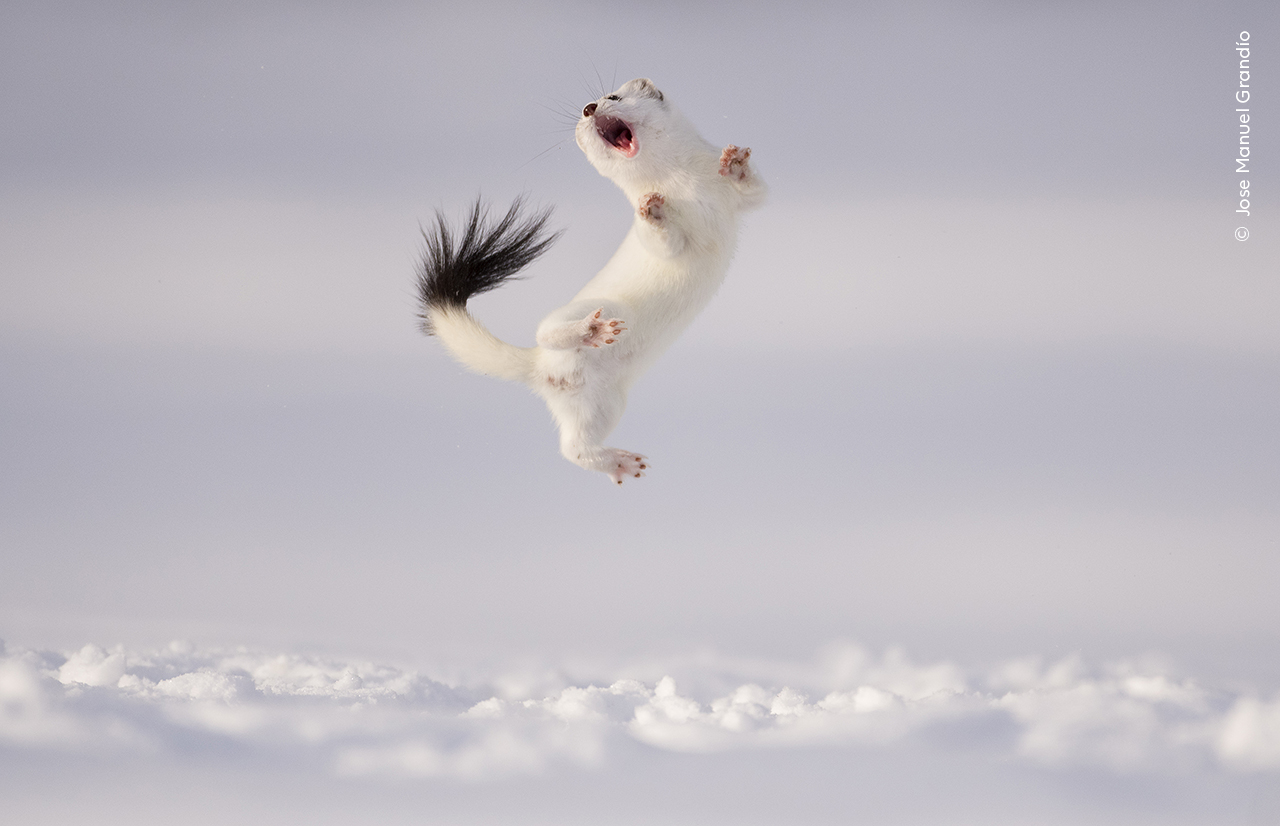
<point x="627" y="465"/>
<point x="733" y="162"/>
<point x="651" y="207"/>
<point x="601" y="330"/>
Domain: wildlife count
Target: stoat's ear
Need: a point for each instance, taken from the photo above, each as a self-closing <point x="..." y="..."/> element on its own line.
<point x="644" y="86"/>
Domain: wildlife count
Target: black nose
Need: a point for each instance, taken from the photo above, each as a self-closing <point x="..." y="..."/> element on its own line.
<point x="588" y="110"/>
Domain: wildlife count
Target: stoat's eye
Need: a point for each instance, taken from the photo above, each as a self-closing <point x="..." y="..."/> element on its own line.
<point x="612" y="97"/>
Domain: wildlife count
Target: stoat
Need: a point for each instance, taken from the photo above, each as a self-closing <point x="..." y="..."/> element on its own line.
<point x="687" y="197"/>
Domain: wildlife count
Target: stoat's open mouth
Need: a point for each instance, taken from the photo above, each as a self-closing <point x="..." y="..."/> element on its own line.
<point x="617" y="134"/>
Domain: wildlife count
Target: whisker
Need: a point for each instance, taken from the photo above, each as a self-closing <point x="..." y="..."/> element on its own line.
<point x="586" y="84"/>
<point x="571" y="106"/>
<point x="567" y="115"/>
<point x="599" y="79"/>
<point x="555" y="145"/>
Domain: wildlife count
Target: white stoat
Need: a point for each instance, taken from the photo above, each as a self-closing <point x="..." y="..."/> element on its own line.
<point x="687" y="196"/>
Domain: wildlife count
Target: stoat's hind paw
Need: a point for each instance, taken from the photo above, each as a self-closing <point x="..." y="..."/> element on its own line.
<point x="601" y="330"/>
<point x="733" y="162"/>
<point x="652" y="207"/>
<point x="624" y="465"/>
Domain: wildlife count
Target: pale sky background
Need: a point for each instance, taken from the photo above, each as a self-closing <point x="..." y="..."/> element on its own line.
<point x="976" y="453"/>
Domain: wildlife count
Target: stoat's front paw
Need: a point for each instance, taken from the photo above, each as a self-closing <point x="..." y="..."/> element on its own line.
<point x="733" y="162"/>
<point x="601" y="330"/>
<point x="652" y="208"/>
<point x="624" y="465"/>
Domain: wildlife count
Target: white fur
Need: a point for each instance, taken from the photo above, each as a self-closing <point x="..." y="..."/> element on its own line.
<point x="670" y="264"/>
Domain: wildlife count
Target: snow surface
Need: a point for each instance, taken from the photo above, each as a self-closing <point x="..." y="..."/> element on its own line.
<point x="359" y="718"/>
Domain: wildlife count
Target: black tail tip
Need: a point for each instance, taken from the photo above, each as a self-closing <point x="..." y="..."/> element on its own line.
<point x="480" y="256"/>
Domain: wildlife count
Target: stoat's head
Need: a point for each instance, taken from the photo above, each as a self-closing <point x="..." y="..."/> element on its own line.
<point x="634" y="134"/>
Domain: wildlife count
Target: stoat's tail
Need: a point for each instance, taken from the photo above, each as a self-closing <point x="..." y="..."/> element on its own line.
<point x="483" y="257"/>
